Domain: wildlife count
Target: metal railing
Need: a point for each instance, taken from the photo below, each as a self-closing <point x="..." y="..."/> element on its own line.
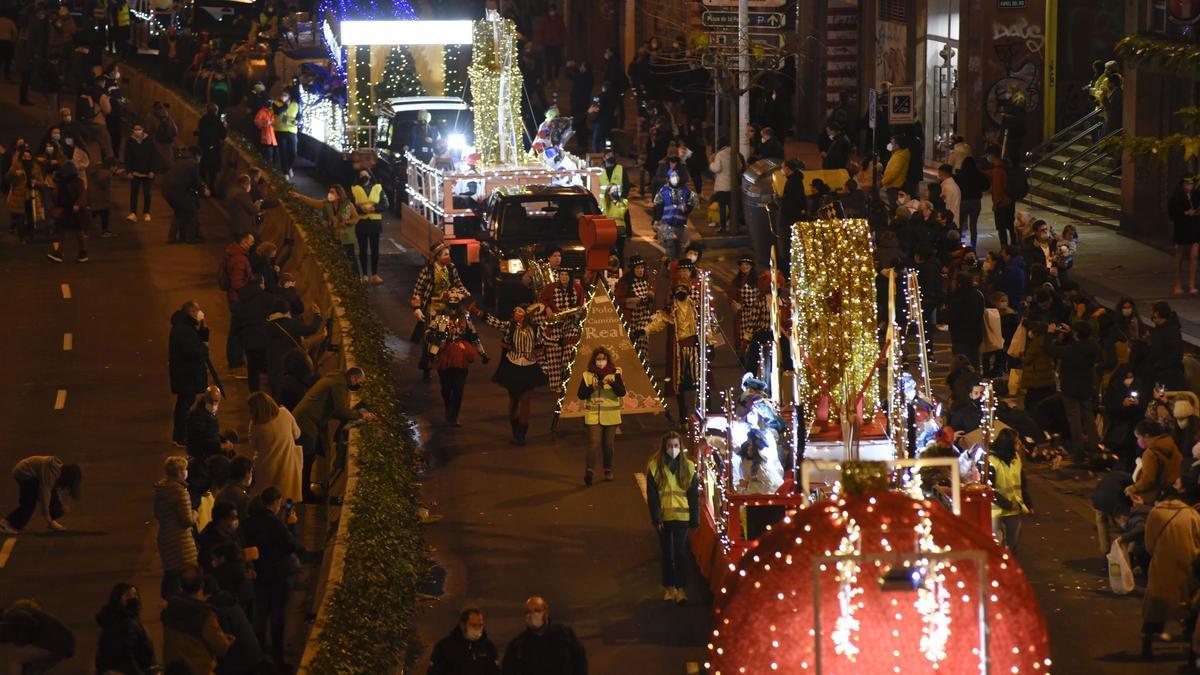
<point x="1078" y="129"/>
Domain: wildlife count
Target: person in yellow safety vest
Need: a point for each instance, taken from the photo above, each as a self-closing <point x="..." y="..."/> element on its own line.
<point x="286" y="113"/>
<point x="673" y="497"/>
<point x="615" y="205"/>
<point x="602" y="391"/>
<point x="1010" y="499"/>
<point x="368" y="196"/>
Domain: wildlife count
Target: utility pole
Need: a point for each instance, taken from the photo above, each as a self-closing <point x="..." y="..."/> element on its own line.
<point x="743" y="80"/>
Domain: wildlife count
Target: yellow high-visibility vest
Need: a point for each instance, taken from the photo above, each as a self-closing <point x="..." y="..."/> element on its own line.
<point x="603" y="407"/>
<point x="1008" y="484"/>
<point x="285" y="120"/>
<point x="361" y="198"/>
<point x="672" y="491"/>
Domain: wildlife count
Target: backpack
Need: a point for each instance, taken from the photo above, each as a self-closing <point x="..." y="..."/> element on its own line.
<point x="1018" y="182"/>
<point x="223" y="281"/>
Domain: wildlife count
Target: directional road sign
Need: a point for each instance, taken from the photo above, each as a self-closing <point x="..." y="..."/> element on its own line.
<point x="755" y="20"/>
<point x="724" y="41"/>
<point x="731" y="61"/>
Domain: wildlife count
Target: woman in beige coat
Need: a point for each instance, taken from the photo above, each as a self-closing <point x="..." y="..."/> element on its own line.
<point x="173" y="511"/>
<point x="278" y="461"/>
<point x="1173" y="541"/>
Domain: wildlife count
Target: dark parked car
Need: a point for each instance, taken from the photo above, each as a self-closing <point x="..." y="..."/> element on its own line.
<point x="520" y="226"/>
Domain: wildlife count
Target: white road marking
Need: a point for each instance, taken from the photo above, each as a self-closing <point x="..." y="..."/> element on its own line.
<point x="396" y="244"/>
<point x="66" y="291"/>
<point x="60" y="401"/>
<point x="6" y="550"/>
<point x="68" y="342"/>
<point x="640" y="478"/>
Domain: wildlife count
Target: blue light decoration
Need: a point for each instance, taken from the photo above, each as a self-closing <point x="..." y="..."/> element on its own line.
<point x="324" y="104"/>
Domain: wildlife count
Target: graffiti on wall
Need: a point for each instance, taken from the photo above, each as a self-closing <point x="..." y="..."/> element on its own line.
<point x="891" y="52"/>
<point x="1019" y="51"/>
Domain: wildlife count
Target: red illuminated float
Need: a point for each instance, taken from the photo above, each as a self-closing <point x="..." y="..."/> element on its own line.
<point x="876" y="582"/>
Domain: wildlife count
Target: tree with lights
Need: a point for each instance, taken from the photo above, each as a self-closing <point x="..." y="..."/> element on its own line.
<point x="399" y="77"/>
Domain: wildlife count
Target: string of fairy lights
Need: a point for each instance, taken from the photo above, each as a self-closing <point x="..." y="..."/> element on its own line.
<point x="496" y="86"/>
<point x="833" y="304"/>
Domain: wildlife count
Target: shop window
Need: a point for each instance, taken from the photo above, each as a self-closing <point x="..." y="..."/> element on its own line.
<point x="893" y="10"/>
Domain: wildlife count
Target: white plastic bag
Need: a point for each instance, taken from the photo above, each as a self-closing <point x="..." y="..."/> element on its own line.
<point x="1120" y="573"/>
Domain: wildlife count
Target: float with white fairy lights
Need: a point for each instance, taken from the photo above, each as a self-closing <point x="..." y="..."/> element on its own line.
<point x="864" y="398"/>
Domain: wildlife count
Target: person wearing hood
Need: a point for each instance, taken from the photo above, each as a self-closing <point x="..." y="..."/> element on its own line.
<point x="1173" y="541"/>
<point x="187" y="363"/>
<point x="673" y="499"/>
<point x="1185" y="426"/>
<point x="467" y="650"/>
<point x="71" y="205"/>
<point x="1011" y="495"/>
<point x="1122" y="411"/>
<point x="1161" y="463"/>
<point x="176" y="518"/>
<point x="602" y="390"/>
<point x="544" y="648"/>
<point x="124" y="645"/>
<point x="286" y="332"/>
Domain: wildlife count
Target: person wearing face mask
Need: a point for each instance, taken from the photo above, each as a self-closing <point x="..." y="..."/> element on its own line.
<point x="287" y="114"/>
<point x="176" y="518"/>
<point x="24" y="198"/>
<point x="287" y="331"/>
<point x="722" y="170"/>
<point x="602" y="390"/>
<point x="452" y="345"/>
<point x="204" y="435"/>
<point x="467" y="650"/>
<point x="1161" y="463"/>
<point x="771" y="147"/>
<point x="563" y="297"/>
<point x="1007" y="478"/>
<point x="673" y="499"/>
<point x="371" y="203"/>
<point x="1123" y="409"/>
<point x="615" y="205"/>
<point x="634" y="295"/>
<point x="1078" y="356"/>
<point x="243" y="210"/>
<point x="520" y="371"/>
<point x="328" y="400"/>
<point x="837" y="151"/>
<point x="124" y="646"/>
<point x="187" y="363"/>
<point x="896" y="171"/>
<point x="264" y="121"/>
<point x="140" y="159"/>
<point x="677" y="202"/>
<point x="182" y="188"/>
<point x="751" y="313"/>
<point x="1185" y="424"/>
<point x="544" y="648"/>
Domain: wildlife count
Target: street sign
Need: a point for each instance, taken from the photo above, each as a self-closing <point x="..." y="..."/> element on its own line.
<point x="731" y="61"/>
<point x="775" y="20"/>
<point x="872" y="105"/>
<point x="725" y="41"/>
<point x="901" y="108"/>
<point x="759" y="4"/>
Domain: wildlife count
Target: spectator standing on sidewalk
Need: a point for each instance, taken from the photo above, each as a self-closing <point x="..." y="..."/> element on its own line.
<point x="140" y="159"/>
<point x="1078" y="356"/>
<point x="23" y="178"/>
<point x="544" y="647"/>
<point x="270" y="529"/>
<point x="278" y="460"/>
<point x="8" y="40"/>
<point x="71" y="212"/>
<point x="182" y="188"/>
<point x="1003" y="206"/>
<point x="721" y="167"/>
<point x="1184" y="209"/>
<point x="211" y="132"/>
<point x="673" y="497"/>
<point x="328" y="400"/>
<point x="244" y="210"/>
<point x="286" y="332"/>
<point x="287" y="113"/>
<point x="369" y="200"/>
<point x="124" y="645"/>
<point x="952" y="195"/>
<point x="964" y="316"/>
<point x="1173" y="542"/>
<point x="1161" y="362"/>
<point x="467" y="650"/>
<point x="173" y="511"/>
<point x="191" y="632"/>
<point x="187" y="363"/>
<point x="235" y="272"/>
<point x="552" y="32"/>
<point x="249" y="320"/>
<point x="99" y="195"/>
<point x="40" y="480"/>
<point x="164" y="131"/>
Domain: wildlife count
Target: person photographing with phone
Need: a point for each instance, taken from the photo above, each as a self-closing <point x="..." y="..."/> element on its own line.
<point x="270" y="528"/>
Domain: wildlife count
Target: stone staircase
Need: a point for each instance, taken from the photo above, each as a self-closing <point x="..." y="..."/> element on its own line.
<point x="1091" y="195"/>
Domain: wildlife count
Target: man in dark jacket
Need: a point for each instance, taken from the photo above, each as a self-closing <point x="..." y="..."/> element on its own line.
<point x="141" y="158"/>
<point x="771" y="148"/>
<point x="328" y="400"/>
<point x="187" y="363"/>
<point x="42" y="640"/>
<point x="243" y="208"/>
<point x="929" y="280"/>
<point x="1162" y="360"/>
<point x="211" y="132"/>
<point x="223" y="528"/>
<point x="235" y="273"/>
<point x="275" y="568"/>
<point x="182" y="188"/>
<point x="964" y="316"/>
<point x="793" y="206"/>
<point x="837" y="154"/>
<point x="191" y="632"/>
<point x="1078" y="356"/>
<point x="250" y="321"/>
<point x="466" y="650"/>
<point x="544" y="648"/>
<point x="1010" y="278"/>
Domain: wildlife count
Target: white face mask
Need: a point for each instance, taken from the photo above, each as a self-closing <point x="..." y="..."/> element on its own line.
<point x="200" y="315"/>
<point x="212" y="408"/>
<point x="673" y="449"/>
<point x="473" y="635"/>
<point x="601" y="364"/>
<point x="535" y="620"/>
<point x="332" y="196"/>
<point x="1128" y="311"/>
<point x="674" y="181"/>
<point x="891" y="147"/>
<point x="693" y="256"/>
